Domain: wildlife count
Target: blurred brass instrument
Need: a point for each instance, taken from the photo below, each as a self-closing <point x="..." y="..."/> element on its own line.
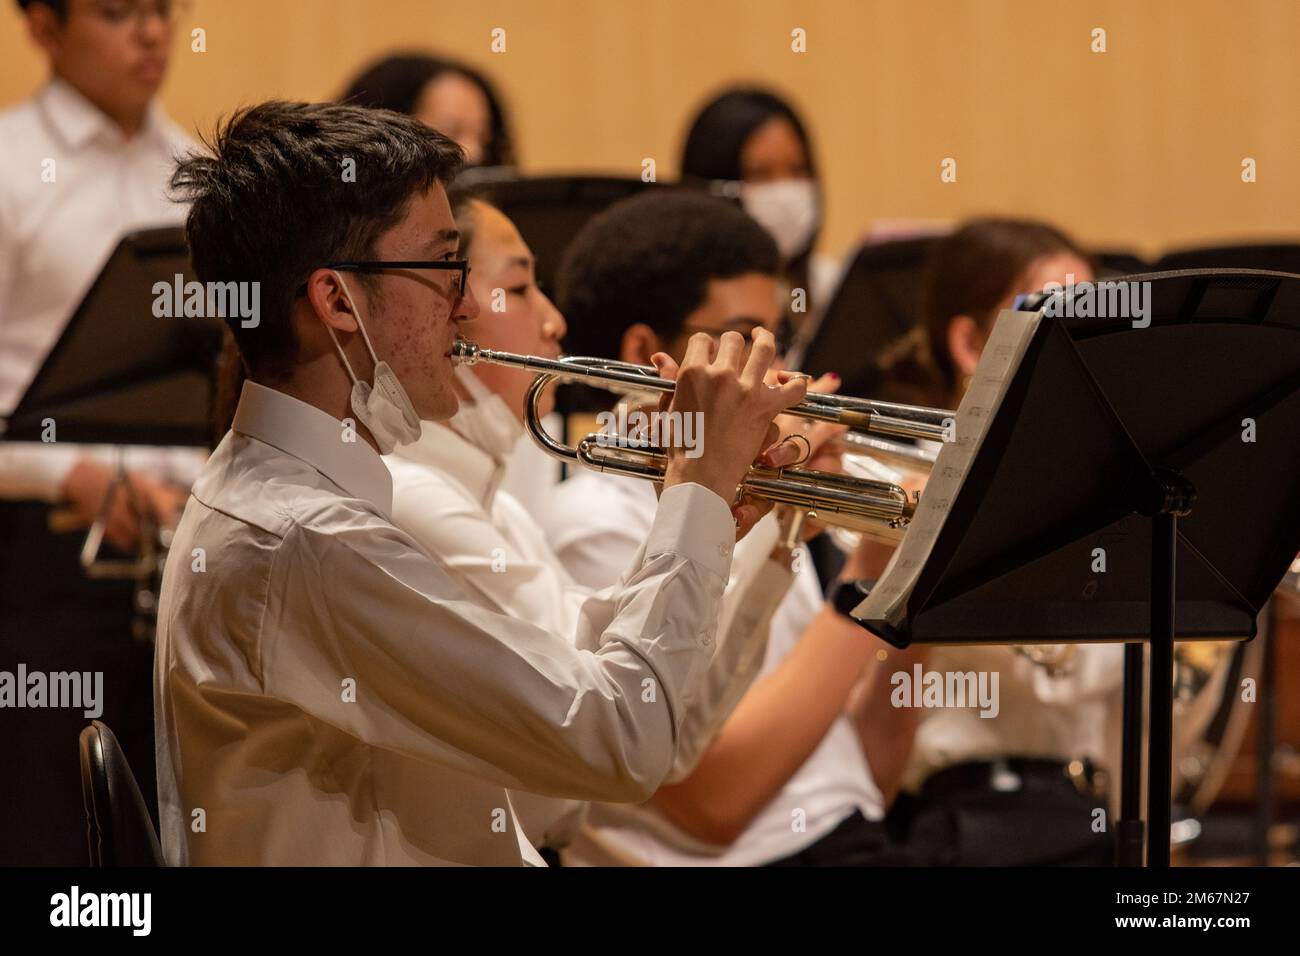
<point x="901" y="455"/>
<point x="881" y="509"/>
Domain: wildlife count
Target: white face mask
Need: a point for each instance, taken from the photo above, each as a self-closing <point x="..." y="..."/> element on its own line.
<point x="384" y="408"/>
<point x="788" y="209"/>
<point x="486" y="422"/>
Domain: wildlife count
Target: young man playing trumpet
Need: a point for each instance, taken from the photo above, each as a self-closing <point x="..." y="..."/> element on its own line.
<point x="325" y="691"/>
<point x="447" y="495"/>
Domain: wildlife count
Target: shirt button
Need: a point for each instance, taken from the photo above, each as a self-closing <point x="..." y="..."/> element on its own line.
<point x="707" y="641"/>
<point x="723" y="551"/>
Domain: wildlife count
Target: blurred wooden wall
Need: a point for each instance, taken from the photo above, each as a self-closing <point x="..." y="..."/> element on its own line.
<point x="1139" y="146"/>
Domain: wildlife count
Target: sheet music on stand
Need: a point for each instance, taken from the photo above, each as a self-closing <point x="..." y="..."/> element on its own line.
<point x="1109" y="484"/>
<point x="998" y="364"/>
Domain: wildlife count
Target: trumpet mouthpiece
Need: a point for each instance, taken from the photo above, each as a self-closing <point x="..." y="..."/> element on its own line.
<point x="464" y="352"/>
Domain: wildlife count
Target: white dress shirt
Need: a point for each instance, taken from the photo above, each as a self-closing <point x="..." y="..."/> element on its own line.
<point x="448" y="495"/>
<point x="593" y="526"/>
<point x="325" y="693"/>
<point x="531" y="473"/>
<point x="55" y="236"/>
<point x="1039" y="715"/>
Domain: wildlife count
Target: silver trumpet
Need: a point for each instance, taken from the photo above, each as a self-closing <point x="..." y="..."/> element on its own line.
<point x="881" y="509"/>
<point x="901" y="455"/>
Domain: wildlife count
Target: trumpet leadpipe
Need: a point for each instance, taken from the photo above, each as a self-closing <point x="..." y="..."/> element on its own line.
<point x="858" y="414"/>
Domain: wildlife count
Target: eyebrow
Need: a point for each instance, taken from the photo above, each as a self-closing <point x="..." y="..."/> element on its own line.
<point x="445" y="235"/>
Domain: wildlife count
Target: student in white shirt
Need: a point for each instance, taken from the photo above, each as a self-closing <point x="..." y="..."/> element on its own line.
<point x="448" y="495"/>
<point x="83" y="161"/>
<point x="1021" y="787"/>
<point x="325" y="691"/>
<point x="785" y="780"/>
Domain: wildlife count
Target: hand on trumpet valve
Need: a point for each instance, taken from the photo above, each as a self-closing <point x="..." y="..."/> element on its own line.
<point x="726" y="392"/>
<point x="816" y="439"/>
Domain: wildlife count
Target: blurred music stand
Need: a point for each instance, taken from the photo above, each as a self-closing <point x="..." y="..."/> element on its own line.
<point x="1273" y="257"/>
<point x="1113" y="262"/>
<point x="877" y="302"/>
<point x="1131" y="440"/>
<point x="118" y="375"/>
<point x="550" y="210"/>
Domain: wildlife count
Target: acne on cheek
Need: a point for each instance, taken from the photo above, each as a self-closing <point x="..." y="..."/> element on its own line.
<point x="414" y="347"/>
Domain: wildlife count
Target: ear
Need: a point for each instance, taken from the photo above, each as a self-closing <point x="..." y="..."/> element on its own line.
<point x="330" y="302"/>
<point x="43" y="27"/>
<point x="965" y="343"/>
<point x="639" y="343"/>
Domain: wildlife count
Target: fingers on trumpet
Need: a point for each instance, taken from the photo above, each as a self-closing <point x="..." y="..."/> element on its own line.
<point x="748" y="512"/>
<point x="725" y="390"/>
<point x="813" y="437"/>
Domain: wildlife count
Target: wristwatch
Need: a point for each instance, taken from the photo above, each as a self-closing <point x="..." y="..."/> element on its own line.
<point x="844" y="596"/>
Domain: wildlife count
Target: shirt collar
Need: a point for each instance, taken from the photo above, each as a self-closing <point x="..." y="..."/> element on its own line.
<point x="316" y="438"/>
<point x="78" y="122"/>
<point x="447" y="452"/>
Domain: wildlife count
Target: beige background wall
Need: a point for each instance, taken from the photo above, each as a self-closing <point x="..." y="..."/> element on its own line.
<point x="1139" y="146"/>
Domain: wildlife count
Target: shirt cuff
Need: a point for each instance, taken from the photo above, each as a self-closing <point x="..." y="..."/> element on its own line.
<point x="697" y="524"/>
<point x="35" y="470"/>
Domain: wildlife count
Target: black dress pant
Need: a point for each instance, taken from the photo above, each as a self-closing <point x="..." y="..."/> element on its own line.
<point x="855" y="842"/>
<point x="962" y="819"/>
<point x="54" y="619"/>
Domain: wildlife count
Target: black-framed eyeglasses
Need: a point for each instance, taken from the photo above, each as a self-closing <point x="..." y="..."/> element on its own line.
<point x="460" y="266"/>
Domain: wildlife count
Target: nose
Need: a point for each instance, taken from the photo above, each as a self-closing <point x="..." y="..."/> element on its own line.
<point x="154" y="28"/>
<point x="553" y="324"/>
<point x="467" y="307"/>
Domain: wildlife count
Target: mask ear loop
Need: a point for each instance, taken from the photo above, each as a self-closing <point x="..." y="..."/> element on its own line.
<point x="361" y="325"/>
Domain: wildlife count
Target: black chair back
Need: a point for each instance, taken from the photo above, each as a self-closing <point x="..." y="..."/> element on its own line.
<point x="119" y="829"/>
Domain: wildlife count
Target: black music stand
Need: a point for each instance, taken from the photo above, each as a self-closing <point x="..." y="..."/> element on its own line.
<point x="549" y="211"/>
<point x="1129" y="439"/>
<point x="120" y="375"/>
<point x="1274" y="257"/>
<point x="877" y="302"/>
<point x="1116" y="262"/>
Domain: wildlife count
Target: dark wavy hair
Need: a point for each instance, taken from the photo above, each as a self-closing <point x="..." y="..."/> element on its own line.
<point x="269" y="203"/>
<point x="60" y="7"/>
<point x="396" y="83"/>
<point x="968" y="272"/>
<point x="649" y="259"/>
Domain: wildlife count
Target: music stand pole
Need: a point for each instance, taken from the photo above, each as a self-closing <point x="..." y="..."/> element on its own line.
<point x="1172" y="498"/>
<point x="1265" y="788"/>
<point x="1130" y="831"/>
